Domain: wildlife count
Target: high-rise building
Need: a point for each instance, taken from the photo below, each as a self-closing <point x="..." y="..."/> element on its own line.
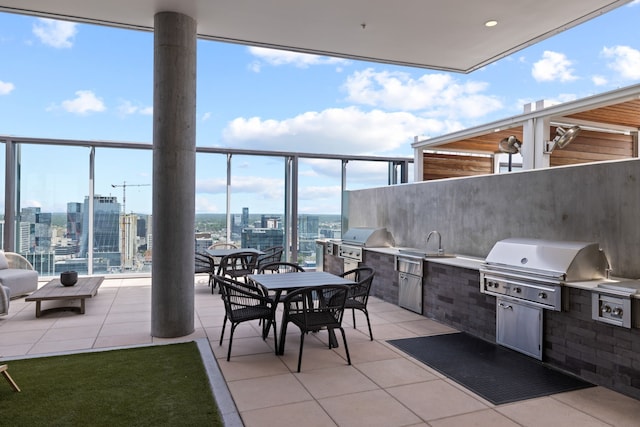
<point x="262" y="238"/>
<point x="245" y="217"/>
<point x="74" y="228"/>
<point x="106" y="230"/>
<point x="270" y="221"/>
<point x="308" y="227"/>
<point x="35" y="228"/>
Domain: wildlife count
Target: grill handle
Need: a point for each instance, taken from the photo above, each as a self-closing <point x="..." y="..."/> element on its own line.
<point x="506" y="306"/>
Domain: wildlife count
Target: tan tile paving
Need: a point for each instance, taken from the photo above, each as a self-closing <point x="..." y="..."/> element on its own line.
<point x="382" y="387"/>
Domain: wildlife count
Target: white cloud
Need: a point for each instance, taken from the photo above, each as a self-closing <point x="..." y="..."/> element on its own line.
<point x="626" y="61"/>
<point x="334" y="130"/>
<point x="599" y="80"/>
<point x="85" y="102"/>
<point x="58" y="34"/>
<point x="205" y="205"/>
<point x="267" y="188"/>
<point x="206" y="116"/>
<point x="282" y="57"/>
<point x="6" y="88"/>
<point x="553" y="66"/>
<point x="127" y="108"/>
<point x="440" y="94"/>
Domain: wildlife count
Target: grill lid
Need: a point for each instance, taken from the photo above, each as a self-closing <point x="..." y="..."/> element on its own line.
<point x="569" y="261"/>
<point x="368" y="237"/>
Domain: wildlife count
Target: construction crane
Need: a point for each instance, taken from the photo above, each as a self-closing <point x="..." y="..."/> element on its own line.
<point x="124" y="223"/>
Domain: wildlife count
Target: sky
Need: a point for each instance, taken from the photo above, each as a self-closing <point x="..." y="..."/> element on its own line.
<point x="78" y="81"/>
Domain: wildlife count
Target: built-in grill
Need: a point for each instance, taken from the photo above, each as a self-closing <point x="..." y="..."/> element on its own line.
<point x="526" y="276"/>
<point x="357" y="238"/>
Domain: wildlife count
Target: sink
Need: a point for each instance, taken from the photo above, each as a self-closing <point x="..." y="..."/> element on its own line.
<point x="439" y="255"/>
<point x="412" y="252"/>
<point x="420" y="253"/>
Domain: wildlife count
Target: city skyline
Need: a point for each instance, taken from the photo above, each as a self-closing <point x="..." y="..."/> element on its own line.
<point x="87" y="82"/>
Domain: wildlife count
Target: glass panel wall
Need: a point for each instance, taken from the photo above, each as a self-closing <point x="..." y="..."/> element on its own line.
<point x="50" y="180"/>
<point x="267" y="200"/>
<point x="257" y="201"/>
<point x="211" y="200"/>
<point x="319" y="196"/>
<point x="122" y="203"/>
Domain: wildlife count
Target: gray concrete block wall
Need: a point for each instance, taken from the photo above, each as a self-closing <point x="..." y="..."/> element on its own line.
<point x="452" y="296"/>
<point x="385" y="282"/>
<point x="604" y="354"/>
<point x="596" y="203"/>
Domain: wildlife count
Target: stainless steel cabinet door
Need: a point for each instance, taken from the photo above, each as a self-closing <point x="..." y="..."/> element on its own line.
<point x="519" y="327"/>
<point x="410" y="292"/>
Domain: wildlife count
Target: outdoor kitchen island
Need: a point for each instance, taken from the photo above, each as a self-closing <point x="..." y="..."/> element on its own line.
<point x="601" y="353"/>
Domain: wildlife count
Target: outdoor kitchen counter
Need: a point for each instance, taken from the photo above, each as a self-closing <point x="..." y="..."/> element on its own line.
<point x="463" y="261"/>
<point x="590" y="285"/>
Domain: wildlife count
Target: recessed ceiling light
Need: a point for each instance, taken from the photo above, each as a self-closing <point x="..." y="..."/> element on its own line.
<point x="491" y="23"/>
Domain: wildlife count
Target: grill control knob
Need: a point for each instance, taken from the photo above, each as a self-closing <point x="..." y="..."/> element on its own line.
<point x="606" y="309"/>
<point x="617" y="312"/>
<point x="542" y="295"/>
<point x="517" y="290"/>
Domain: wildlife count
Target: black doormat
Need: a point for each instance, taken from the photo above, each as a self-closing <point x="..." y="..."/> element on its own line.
<point x="496" y="373"/>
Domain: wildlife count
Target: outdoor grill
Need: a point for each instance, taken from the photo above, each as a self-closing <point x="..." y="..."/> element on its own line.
<point x="526" y="276"/>
<point x="357" y="238"/>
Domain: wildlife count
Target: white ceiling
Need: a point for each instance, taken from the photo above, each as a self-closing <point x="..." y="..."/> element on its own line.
<point x="438" y="34"/>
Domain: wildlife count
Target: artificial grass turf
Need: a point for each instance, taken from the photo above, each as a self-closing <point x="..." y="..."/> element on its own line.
<point x="145" y="386"/>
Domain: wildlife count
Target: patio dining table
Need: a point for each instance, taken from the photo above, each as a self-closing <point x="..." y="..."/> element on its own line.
<point x="219" y="253"/>
<point x="278" y="283"/>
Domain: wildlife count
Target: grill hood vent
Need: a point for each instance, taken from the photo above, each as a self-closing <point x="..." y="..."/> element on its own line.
<point x="368" y="237"/>
<point x="568" y="261"/>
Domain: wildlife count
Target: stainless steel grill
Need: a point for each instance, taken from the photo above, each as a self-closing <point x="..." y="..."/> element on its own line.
<point x="355" y="239"/>
<point x="534" y="270"/>
<point x="526" y="276"/>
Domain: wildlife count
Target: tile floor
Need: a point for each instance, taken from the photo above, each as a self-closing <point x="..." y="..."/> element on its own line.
<point x="382" y="387"/>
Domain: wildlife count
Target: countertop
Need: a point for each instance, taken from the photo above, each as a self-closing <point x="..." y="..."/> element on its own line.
<point x="474" y="263"/>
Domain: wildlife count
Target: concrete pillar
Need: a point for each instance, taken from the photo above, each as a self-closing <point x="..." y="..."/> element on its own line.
<point x="174" y="163"/>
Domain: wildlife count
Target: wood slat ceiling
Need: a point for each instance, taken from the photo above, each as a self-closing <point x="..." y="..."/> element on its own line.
<point x="623" y="114"/>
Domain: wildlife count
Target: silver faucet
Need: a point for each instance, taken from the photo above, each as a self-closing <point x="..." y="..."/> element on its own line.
<point x="440" y="249"/>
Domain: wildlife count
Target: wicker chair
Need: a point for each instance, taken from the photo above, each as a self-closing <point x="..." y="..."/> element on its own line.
<point x="269" y="256"/>
<point x="205" y="264"/>
<point x="359" y="294"/>
<point x="222" y="245"/>
<point x="238" y="265"/>
<point x="279" y="267"/>
<point x="312" y="309"/>
<point x="242" y="303"/>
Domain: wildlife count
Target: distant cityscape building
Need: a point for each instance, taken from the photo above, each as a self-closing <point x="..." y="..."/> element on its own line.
<point x="106" y="231"/>
<point x="262" y="238"/>
<point x="35" y="227"/>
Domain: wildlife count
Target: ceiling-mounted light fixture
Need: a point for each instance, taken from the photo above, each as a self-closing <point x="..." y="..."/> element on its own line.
<point x="491" y="23"/>
<point x="563" y="138"/>
<point x="510" y="145"/>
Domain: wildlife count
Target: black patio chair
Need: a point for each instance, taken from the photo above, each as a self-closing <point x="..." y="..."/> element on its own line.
<point x="359" y="294"/>
<point x="237" y="265"/>
<point x="279" y="267"/>
<point x="312" y="309"/>
<point x="205" y="264"/>
<point x="270" y="255"/>
<point x="220" y="245"/>
<point x="242" y="303"/>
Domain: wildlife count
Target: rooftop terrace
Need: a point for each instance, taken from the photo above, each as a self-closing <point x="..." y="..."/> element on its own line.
<point x="382" y="387"/>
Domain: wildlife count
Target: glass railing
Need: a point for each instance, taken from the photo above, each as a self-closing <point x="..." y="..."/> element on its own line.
<point x="86" y="206"/>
